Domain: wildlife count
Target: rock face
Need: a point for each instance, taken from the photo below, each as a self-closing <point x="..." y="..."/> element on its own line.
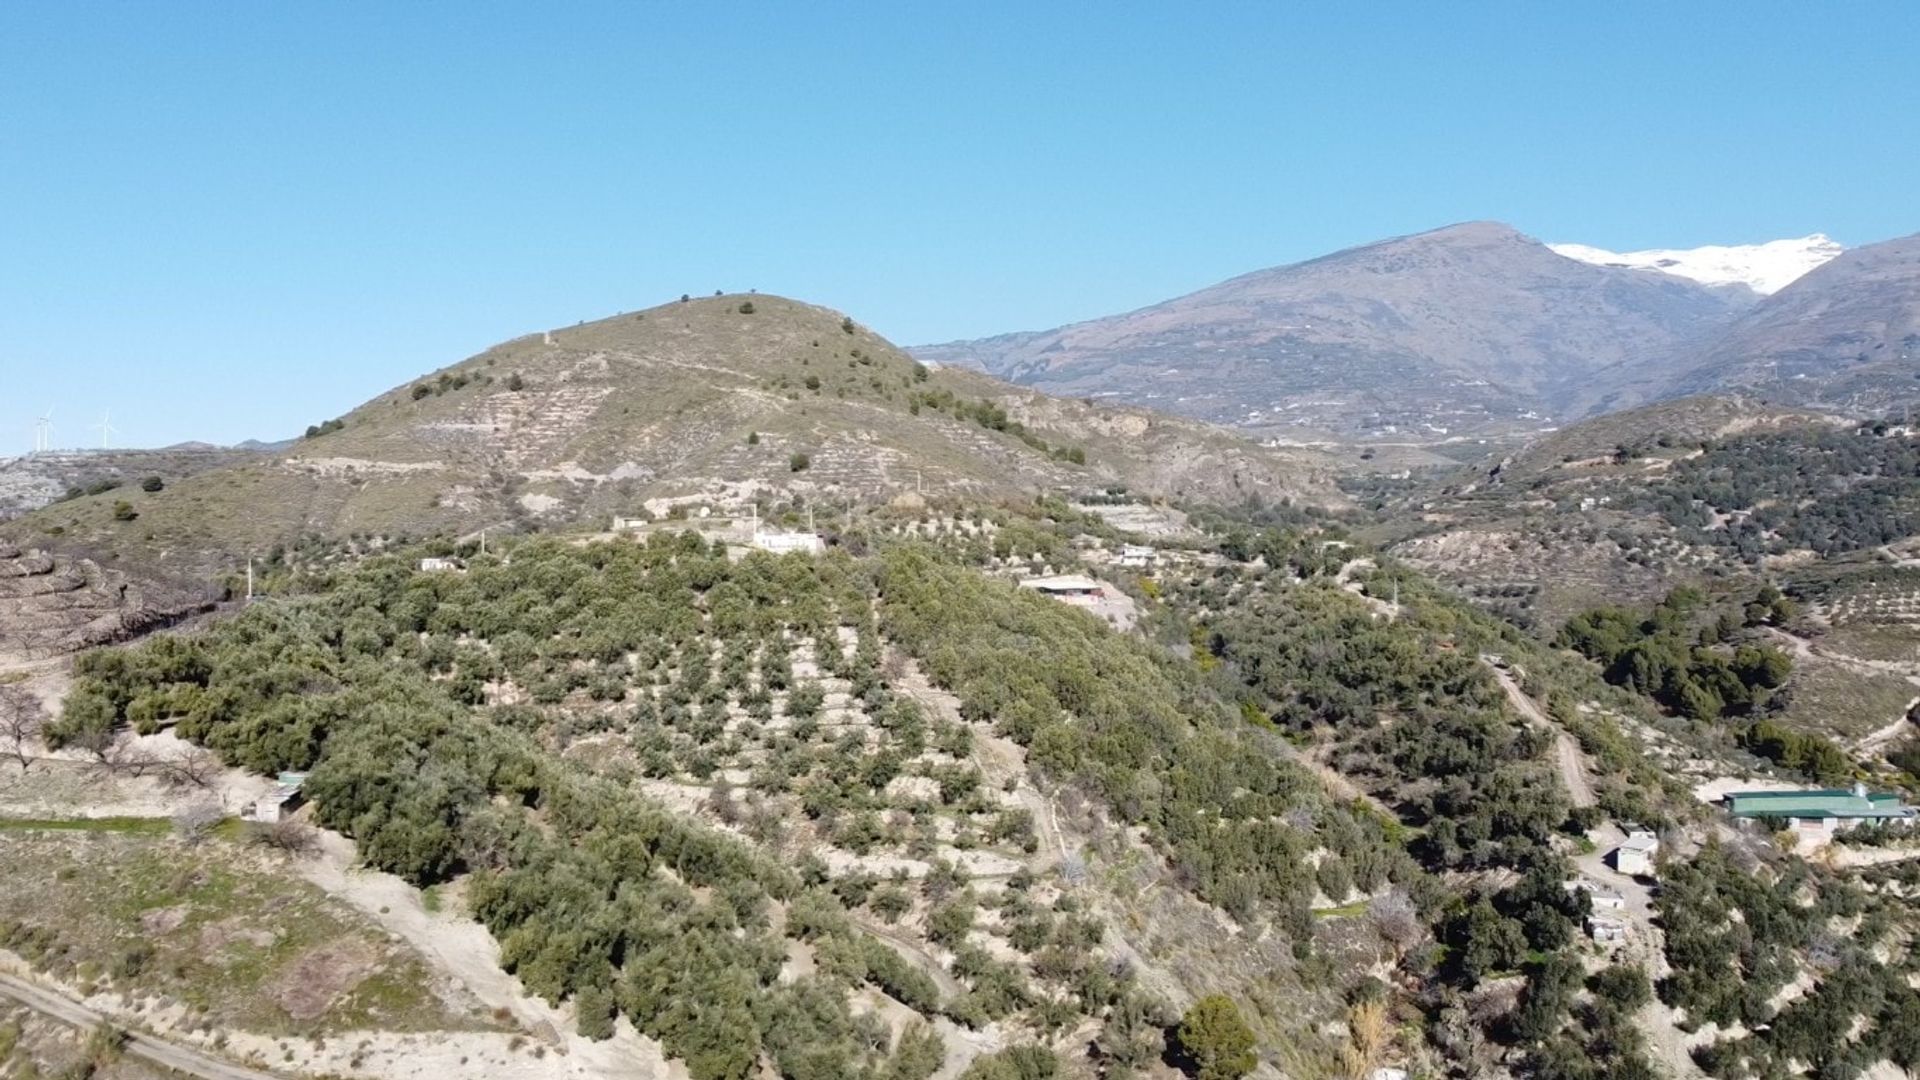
<point x="54" y="604"/>
<point x="1470" y="327"/>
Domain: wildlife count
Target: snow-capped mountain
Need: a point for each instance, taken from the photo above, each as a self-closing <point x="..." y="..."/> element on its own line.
<point x="1765" y="268"/>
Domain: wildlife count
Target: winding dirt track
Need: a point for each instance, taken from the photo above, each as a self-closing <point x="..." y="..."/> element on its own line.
<point x="165" y="1054"/>
<point x="1566" y="751"/>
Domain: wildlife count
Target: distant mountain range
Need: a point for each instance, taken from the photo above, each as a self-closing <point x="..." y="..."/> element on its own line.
<point x="1477" y="329"/>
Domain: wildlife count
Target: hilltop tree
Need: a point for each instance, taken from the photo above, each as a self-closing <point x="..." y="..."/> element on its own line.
<point x="1215" y="1040"/>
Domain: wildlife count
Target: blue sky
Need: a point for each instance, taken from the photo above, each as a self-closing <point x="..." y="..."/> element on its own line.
<point x="223" y="221"/>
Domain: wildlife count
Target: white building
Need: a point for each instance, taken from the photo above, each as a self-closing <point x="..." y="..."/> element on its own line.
<point x="782" y="542"/>
<point x="628" y="524"/>
<point x="1601" y="899"/>
<point x="1606" y="931"/>
<point x="1136" y="555"/>
<point x="431" y="565"/>
<point x="1636" y="853"/>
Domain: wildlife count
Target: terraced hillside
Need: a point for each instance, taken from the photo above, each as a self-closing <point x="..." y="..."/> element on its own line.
<point x="52" y="604"/>
<point x="720" y="398"/>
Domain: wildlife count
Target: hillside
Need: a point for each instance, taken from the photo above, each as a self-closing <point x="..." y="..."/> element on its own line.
<point x="1845" y="337"/>
<point x="713" y="401"/>
<point x="1611" y="509"/>
<point x="36" y="480"/>
<point x="876" y="815"/>
<point x="1469" y="328"/>
<point x="1725" y="495"/>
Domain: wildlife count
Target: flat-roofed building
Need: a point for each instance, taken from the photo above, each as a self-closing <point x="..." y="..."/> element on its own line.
<point x="1065" y="586"/>
<point x="1818" y="813"/>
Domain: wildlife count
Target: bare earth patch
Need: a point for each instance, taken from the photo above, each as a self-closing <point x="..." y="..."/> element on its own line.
<point x="322" y="976"/>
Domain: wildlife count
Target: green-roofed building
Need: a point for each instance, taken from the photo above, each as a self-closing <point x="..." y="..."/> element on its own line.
<point x="1820" y="812"/>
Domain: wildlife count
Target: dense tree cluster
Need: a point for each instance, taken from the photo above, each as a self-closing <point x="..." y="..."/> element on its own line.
<point x="1701" y="659"/>
<point x="1693" y="657"/>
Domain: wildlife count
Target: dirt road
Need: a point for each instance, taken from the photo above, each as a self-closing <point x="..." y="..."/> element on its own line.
<point x="1566" y="750"/>
<point x="164" y="1054"/>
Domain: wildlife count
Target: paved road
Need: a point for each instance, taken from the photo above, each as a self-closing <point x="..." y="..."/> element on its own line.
<point x="165" y="1054"/>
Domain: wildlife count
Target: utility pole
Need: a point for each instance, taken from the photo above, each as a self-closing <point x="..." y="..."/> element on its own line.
<point x="249" y="579"/>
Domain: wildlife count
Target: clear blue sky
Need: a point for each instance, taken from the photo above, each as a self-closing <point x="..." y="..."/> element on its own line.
<point x="223" y="221"/>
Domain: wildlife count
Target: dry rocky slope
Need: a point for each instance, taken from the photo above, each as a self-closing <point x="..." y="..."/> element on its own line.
<point x="717" y="399"/>
<point x="1469" y="328"/>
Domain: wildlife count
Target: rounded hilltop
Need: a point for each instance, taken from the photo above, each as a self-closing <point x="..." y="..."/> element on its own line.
<point x="735" y="396"/>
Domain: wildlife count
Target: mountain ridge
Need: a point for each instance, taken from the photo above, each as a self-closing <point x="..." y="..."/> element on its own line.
<point x="1763" y="268"/>
<point x="1473" y="326"/>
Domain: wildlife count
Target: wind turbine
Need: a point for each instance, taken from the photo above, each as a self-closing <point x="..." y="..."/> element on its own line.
<point x="43" y="432"/>
<point x="107" y="430"/>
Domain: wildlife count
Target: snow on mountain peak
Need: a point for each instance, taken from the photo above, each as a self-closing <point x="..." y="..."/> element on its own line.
<point x="1765" y="268"/>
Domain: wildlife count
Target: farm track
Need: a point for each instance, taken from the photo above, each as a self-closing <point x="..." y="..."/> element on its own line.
<point x="158" y="1051"/>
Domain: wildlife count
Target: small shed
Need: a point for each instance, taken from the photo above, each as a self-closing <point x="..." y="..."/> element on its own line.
<point x="1601" y="899"/>
<point x="279" y="802"/>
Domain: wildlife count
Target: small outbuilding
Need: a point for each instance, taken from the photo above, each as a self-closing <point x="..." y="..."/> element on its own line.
<point x="1601" y="899"/>
<point x="279" y="802"/>
<point x="1606" y="931"/>
<point x="781" y="543"/>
